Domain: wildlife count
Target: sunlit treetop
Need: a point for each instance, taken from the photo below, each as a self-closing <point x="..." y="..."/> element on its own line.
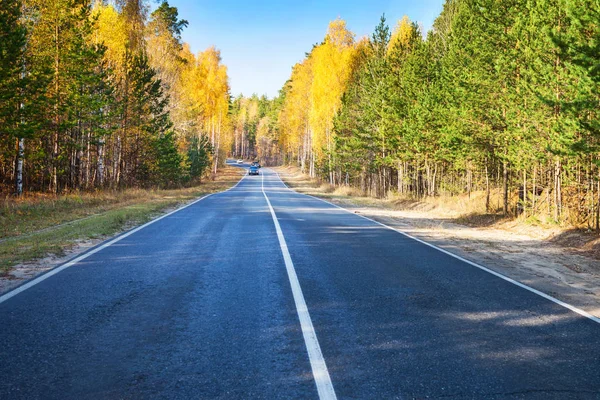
<point x="402" y="34"/>
<point x="338" y="34"/>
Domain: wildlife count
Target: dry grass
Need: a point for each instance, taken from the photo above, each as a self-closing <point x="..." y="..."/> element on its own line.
<point x="41" y="225"/>
<point x="464" y="209"/>
<point x="467" y="210"/>
<point x="462" y="206"/>
<point x="347" y="191"/>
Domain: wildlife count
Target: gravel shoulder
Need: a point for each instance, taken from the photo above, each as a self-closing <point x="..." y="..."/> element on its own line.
<point x="555" y="261"/>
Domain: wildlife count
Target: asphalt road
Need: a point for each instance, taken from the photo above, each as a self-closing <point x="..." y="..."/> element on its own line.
<point x="199" y="305"/>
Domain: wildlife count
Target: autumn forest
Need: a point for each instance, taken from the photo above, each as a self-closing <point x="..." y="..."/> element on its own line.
<point x="99" y="95"/>
<point x="498" y="97"/>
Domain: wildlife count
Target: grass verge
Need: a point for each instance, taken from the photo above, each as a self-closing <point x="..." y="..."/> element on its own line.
<point x="464" y="209"/>
<point x="39" y="226"/>
<point x="468" y="211"/>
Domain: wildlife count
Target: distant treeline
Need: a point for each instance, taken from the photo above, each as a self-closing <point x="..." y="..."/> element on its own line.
<point x="96" y="95"/>
<point x="256" y="128"/>
<point x="500" y="96"/>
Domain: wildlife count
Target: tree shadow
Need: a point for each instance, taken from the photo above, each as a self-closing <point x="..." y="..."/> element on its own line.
<point x="579" y="241"/>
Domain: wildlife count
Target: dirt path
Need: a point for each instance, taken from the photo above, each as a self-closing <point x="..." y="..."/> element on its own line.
<point x="527" y="254"/>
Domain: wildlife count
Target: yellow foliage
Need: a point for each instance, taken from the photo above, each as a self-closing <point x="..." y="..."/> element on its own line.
<point x="293" y="118"/>
<point x="402" y="34"/>
<point x="163" y="53"/>
<point x="339" y="35"/>
<point x="314" y="92"/>
<point x="111" y="31"/>
<point x="332" y="64"/>
<point x="204" y="96"/>
<point x="252" y="109"/>
<point x="262" y="130"/>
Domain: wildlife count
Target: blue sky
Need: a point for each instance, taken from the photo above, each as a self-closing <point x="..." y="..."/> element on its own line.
<point x="260" y="41"/>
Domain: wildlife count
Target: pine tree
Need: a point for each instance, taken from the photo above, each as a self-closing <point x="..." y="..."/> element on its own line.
<point x="198" y="155"/>
<point x="150" y="158"/>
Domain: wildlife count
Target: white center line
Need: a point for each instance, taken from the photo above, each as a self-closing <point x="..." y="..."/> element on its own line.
<point x="317" y="362"/>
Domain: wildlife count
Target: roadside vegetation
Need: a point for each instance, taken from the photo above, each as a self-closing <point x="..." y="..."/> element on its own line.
<point x="458" y="217"/>
<point x="98" y="95"/>
<point x="107" y="119"/>
<point x="548" y="257"/>
<point x="468" y="209"/>
<point x="37" y="226"/>
<point x="499" y="98"/>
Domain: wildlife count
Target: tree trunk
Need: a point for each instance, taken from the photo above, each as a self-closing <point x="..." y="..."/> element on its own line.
<point x="487" y="189"/>
<point x="19" y="169"/>
<point x="212" y="131"/>
<point x="399" y="177"/>
<point x="117" y="162"/>
<point x="505" y="186"/>
<point x="87" y="160"/>
<point x="20" y="146"/>
<point x="427" y="176"/>
<point x="433" y="181"/>
<point x="331" y="175"/>
<point x="534" y="190"/>
<point x="524" y="199"/>
<point x="235" y="137"/>
<point x="417" y="180"/>
<point x="56" y="116"/>
<point x="557" y="191"/>
<point x="242" y="143"/>
<point x="311" y="155"/>
<point x="329" y="161"/>
<point x="598" y="203"/>
<point x="218" y="144"/>
<point x="304" y="151"/>
<point x="101" y="162"/>
<point x="469" y="180"/>
<point x="362" y="180"/>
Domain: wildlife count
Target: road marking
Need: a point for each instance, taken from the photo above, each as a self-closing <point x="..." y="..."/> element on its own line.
<point x="82" y="257"/>
<point x="317" y="362"/>
<point x="474" y="264"/>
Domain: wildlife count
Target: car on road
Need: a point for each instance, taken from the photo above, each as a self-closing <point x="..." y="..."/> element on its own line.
<point x="255" y="164"/>
<point x="240" y="161"/>
<point x="253" y="170"/>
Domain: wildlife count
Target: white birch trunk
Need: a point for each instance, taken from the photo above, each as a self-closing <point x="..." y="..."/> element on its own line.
<point x="101" y="162"/>
<point x="20" y="156"/>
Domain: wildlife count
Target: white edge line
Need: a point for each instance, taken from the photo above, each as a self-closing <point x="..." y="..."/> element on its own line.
<point x="474" y="264"/>
<point x="315" y="356"/>
<point x="74" y="261"/>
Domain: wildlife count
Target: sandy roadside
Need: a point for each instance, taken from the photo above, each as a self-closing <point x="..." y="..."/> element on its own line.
<point x="22" y="273"/>
<point x="521" y="253"/>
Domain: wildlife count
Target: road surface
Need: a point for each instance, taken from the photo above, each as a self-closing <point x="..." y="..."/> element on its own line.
<point x="219" y="300"/>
